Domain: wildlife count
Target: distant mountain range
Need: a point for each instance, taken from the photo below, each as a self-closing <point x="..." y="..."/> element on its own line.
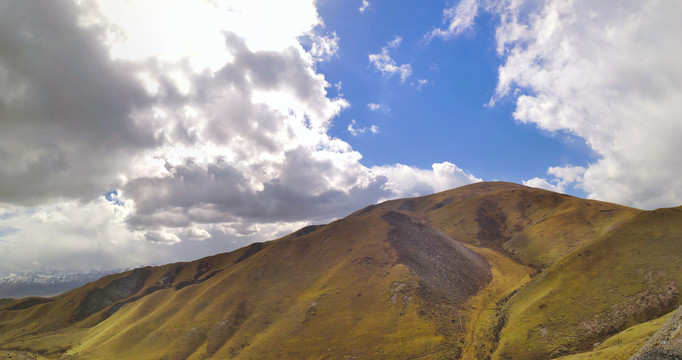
<point x="47" y="284"/>
<point x="486" y="271"/>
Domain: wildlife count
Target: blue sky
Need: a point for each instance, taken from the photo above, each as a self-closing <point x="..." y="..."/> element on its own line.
<point x="447" y="118"/>
<point x="155" y="131"/>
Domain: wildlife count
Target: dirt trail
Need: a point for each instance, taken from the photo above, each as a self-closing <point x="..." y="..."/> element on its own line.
<point x="483" y="318"/>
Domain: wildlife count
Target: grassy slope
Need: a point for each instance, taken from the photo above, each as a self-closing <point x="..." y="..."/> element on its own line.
<point x="626" y="277"/>
<point x="482" y="329"/>
<point x="340" y="291"/>
<point x="542" y="229"/>
<point x="332" y="293"/>
<point x="504" y="221"/>
<point x="535" y="226"/>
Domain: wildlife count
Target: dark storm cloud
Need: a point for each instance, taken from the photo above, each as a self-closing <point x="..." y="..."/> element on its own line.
<point x="65" y="107"/>
<point x="220" y="193"/>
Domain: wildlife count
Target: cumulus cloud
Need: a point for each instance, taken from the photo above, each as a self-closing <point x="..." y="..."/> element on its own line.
<point x="562" y="178"/>
<point x="459" y="18"/>
<point x="197" y="234"/>
<point x="70" y="235"/>
<point x="383" y="62"/>
<point x="542" y="183"/>
<point x="407" y="181"/>
<point x="603" y="71"/>
<point x="197" y="147"/>
<point x="161" y="237"/>
<point x="606" y="72"/>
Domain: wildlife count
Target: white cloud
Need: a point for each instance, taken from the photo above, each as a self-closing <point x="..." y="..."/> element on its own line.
<point x="407" y="181"/>
<point x="355" y="131"/>
<point x="386" y="65"/>
<point x="161" y="237"/>
<point x="562" y="177"/>
<point x="541" y="183"/>
<point x="352" y="130"/>
<point x="373" y="106"/>
<point x="609" y="73"/>
<point x="365" y="5"/>
<point x="70" y="235"/>
<point x="421" y="83"/>
<point x="197" y="234"/>
<point x="567" y="174"/>
<point x="191" y="28"/>
<point x="324" y="47"/>
<point x="395" y="42"/>
<point x="339" y="89"/>
<point x="53" y="217"/>
<point x="459" y="18"/>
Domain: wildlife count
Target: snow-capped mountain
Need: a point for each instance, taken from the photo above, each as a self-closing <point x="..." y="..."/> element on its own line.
<point x="46" y="284"/>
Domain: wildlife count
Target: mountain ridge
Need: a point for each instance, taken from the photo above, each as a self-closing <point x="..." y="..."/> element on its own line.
<point x="489" y="270"/>
<point x="19" y="285"/>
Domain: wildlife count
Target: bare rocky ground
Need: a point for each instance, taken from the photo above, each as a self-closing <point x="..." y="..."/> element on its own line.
<point x="448" y="270"/>
<point x="666" y="343"/>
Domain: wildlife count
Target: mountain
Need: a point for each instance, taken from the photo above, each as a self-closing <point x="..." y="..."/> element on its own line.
<point x="486" y="271"/>
<point x="46" y="284"/>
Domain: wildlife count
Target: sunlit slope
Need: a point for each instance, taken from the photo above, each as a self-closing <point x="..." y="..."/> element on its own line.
<point x="537" y="227"/>
<point x="486" y="316"/>
<point x="489" y="270"/>
<point x="368" y="285"/>
<point x="25" y="323"/>
<point x="629" y="276"/>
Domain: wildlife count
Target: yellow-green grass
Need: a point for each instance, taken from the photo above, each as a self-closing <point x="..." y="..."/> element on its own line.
<point x="626" y="277"/>
<point x="569" y="226"/>
<point x="535" y="226"/>
<point x="485" y="306"/>
<point x="329" y="294"/>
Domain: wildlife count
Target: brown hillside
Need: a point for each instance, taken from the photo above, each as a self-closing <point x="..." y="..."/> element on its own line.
<point x="488" y="270"/>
